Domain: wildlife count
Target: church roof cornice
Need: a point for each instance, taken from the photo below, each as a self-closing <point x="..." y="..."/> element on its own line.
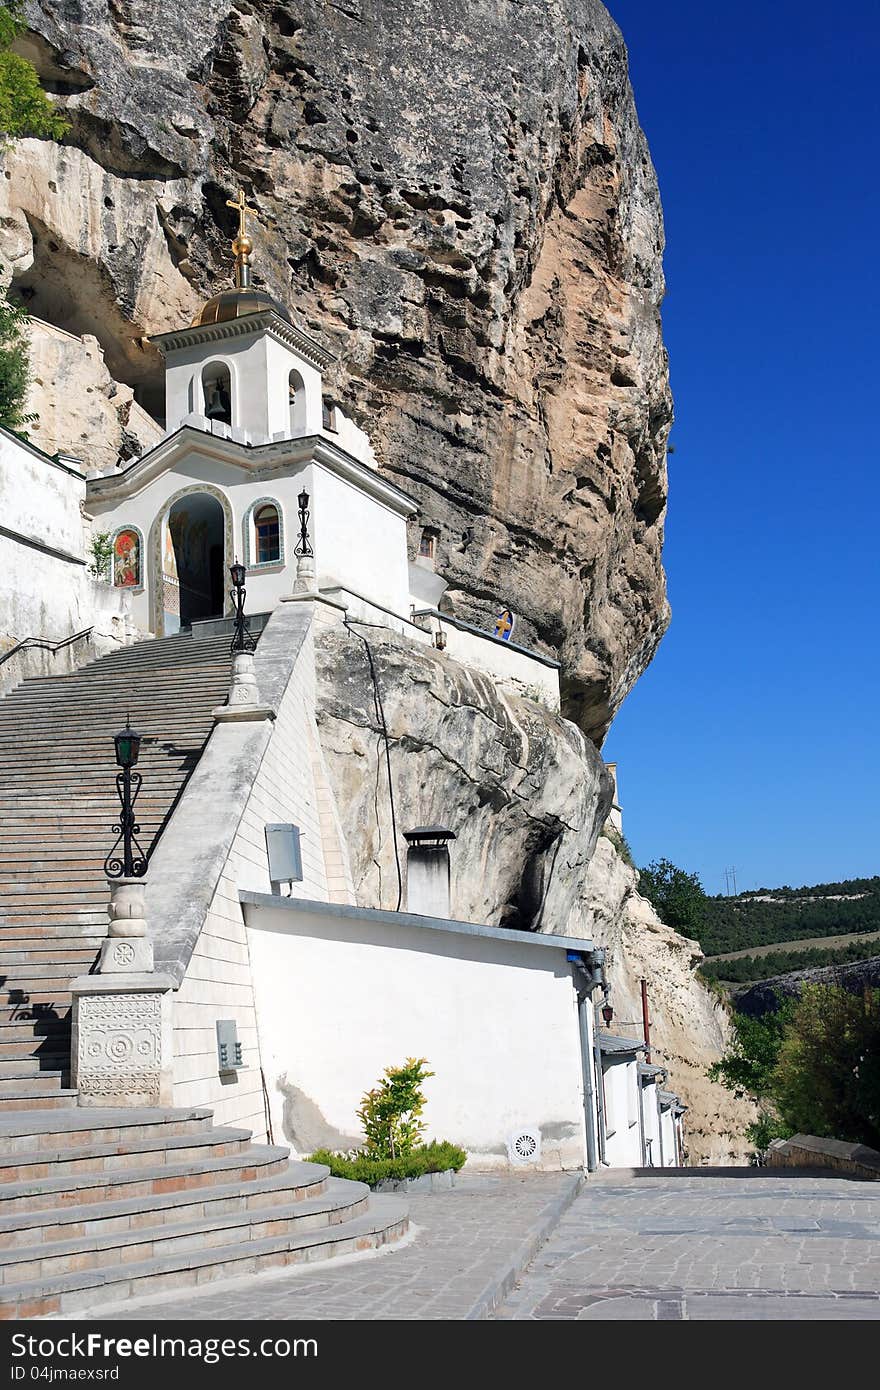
<point x="260" y="460"/>
<point x="247" y="326"/>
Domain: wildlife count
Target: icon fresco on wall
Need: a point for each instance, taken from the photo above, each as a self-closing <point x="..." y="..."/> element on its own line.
<point x="504" y="622"/>
<point x="127" y="560"/>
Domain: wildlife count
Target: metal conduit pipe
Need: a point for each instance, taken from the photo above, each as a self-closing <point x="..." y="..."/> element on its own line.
<point x="588" y="976"/>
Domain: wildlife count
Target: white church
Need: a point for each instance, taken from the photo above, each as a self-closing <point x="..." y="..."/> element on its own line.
<point x="313" y="994"/>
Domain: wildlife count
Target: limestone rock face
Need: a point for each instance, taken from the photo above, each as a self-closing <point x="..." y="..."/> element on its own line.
<point x="455" y="196"/>
<point x="524" y="791"/>
<point x="690" y="1027"/>
<point x="526" y="794"/>
<point x="85" y="413"/>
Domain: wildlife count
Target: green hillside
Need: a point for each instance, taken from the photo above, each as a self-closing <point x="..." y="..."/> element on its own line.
<point x="824" y="909"/>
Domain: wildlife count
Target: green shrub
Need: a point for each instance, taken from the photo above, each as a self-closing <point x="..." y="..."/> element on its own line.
<point x="436" y="1157"/>
<point x="390" y="1113"/>
<point x="24" y="107"/>
<point x="620" y="843"/>
<point x="15" y="371"/>
<point x="101" y="551"/>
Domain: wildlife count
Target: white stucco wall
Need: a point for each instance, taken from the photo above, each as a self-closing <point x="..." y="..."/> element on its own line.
<point x="290" y="787"/>
<point x="623" y="1146"/>
<point x="42" y="543"/>
<point x="359" y="543"/>
<point x="340" y="997"/>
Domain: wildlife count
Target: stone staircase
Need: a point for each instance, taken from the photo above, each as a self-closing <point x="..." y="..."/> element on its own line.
<point x="97" y="1205"/>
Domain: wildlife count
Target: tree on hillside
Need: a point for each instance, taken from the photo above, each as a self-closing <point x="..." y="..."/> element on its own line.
<point x="827" y="1078"/>
<point x="812" y="1066"/>
<point x="24" y="110"/>
<point x="676" y="895"/>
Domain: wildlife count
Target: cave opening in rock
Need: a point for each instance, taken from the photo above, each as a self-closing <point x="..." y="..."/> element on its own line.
<point x="71" y="292"/>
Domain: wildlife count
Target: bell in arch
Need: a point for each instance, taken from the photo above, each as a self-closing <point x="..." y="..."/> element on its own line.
<point x="218" y="403"/>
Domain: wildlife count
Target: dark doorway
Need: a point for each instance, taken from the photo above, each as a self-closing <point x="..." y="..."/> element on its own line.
<point x="196" y="528"/>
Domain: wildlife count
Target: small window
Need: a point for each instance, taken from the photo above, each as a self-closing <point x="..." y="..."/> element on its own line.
<point x="329" y="415"/>
<point x="428" y="545"/>
<point x="267" y="531"/>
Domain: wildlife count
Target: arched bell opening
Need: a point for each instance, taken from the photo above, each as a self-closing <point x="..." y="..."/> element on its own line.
<point x="217" y="392"/>
<point x="297" y="397"/>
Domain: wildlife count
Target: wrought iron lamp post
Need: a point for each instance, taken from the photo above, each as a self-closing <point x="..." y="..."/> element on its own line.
<point x="132" y="862"/>
<point x="242" y="641"/>
<point x="303" y="545"/>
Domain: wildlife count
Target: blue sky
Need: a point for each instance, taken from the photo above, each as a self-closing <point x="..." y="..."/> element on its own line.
<point x="752" y="739"/>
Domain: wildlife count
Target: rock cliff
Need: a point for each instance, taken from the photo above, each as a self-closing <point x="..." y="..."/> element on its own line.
<point x="527" y="796"/>
<point x="455" y="196"/>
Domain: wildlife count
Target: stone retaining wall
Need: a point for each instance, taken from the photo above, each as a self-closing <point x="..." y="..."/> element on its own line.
<point x="808" y="1151"/>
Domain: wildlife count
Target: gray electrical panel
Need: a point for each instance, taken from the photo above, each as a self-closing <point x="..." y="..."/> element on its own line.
<point x="285" y="856"/>
<point x="228" y="1046"/>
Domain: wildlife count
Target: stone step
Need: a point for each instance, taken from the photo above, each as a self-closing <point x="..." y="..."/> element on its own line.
<point x="24" y="1087"/>
<point x="37" y="1030"/>
<point x="36" y="979"/>
<point x="63" y="933"/>
<point x="128" y="1155"/>
<point x="37" y="1100"/>
<point x="21" y="1068"/>
<point x="385" y="1221"/>
<point x="103" y="1124"/>
<point x="39" y="1194"/>
<point x="38" y="950"/>
<point x="299" y="1182"/>
<point x="52" y="1052"/>
<point x="341" y="1201"/>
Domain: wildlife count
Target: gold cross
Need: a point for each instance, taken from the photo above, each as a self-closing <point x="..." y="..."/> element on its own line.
<point x="243" y="211"/>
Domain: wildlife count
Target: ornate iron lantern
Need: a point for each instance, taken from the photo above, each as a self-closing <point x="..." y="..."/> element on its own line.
<point x="242" y="641"/>
<point x="607" y="1012"/>
<point x="132" y="862"/>
<point x="303" y="545"/>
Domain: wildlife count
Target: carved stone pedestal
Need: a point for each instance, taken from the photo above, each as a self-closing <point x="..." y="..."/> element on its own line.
<point x="305" y="582"/>
<point x="127" y="948"/>
<point x="244" y="696"/>
<point x="122" y="1039"/>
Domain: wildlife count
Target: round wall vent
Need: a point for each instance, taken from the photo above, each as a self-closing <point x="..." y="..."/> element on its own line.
<point x="524" y="1146"/>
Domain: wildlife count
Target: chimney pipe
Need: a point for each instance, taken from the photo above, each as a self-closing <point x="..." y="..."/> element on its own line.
<point x="646" y="1022"/>
<point x="428" y="874"/>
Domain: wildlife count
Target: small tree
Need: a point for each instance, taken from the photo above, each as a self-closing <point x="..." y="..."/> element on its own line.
<point x="15" y="371"/>
<point x="390" y="1112"/>
<point x="101" y="551"/>
<point x="24" y="107"/>
<point x="676" y="895"/>
<point x="747" y="1069"/>
<point x="826" y="1080"/>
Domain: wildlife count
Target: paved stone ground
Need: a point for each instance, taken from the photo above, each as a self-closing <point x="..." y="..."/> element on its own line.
<point x="470" y="1245"/>
<point x="700" y="1246"/>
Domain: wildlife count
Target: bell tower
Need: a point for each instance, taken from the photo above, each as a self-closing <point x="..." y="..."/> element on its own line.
<point x="243" y="370"/>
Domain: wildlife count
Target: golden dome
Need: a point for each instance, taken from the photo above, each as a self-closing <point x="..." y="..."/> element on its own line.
<point x="236" y="304"/>
<point x="244" y="298"/>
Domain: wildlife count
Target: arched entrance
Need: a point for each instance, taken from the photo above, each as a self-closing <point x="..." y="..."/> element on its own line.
<point x="193" y="560"/>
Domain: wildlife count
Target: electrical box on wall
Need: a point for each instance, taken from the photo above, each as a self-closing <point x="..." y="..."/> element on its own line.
<point x="228" y="1046"/>
<point x="285" y="855"/>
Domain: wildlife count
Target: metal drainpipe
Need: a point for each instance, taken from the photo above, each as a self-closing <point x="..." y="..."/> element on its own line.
<point x="583" y="1002"/>
<point x="600" y="1089"/>
<point x="592" y="978"/>
<point x="659" y="1123"/>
